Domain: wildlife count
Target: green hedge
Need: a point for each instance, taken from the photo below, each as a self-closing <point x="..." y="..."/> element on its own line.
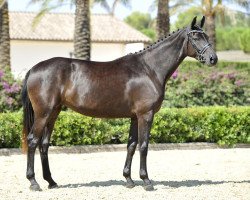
<point x="229" y="38"/>
<point x="245" y="41"/>
<point x="225" y="126"/>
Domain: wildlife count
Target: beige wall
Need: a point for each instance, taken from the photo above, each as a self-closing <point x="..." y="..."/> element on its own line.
<point x="26" y="53"/>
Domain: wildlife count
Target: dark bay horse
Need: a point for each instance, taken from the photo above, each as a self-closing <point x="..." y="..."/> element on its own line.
<point x="132" y="86"/>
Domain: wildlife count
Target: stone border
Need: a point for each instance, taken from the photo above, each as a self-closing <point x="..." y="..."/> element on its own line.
<point x="122" y="147"/>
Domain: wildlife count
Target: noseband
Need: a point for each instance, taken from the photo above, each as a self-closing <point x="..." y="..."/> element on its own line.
<point x="200" y="53"/>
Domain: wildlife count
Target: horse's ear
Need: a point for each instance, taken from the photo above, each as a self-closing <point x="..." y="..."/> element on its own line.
<point x="202" y="21"/>
<point x="193" y="22"/>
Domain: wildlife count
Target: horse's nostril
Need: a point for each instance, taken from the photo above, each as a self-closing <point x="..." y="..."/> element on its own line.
<point x="212" y="59"/>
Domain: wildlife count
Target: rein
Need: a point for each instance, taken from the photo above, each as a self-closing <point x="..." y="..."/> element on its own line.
<point x="199" y="52"/>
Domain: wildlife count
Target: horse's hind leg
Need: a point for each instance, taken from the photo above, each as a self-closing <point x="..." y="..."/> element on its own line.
<point x="43" y="148"/>
<point x="34" y="138"/>
<point x="132" y="143"/>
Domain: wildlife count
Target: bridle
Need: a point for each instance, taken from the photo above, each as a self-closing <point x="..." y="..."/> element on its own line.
<point x="200" y="53"/>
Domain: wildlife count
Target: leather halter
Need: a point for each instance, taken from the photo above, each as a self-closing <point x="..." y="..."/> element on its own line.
<point x="200" y="53"/>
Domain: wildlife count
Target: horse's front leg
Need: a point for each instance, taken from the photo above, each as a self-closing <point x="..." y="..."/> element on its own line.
<point x="132" y="143"/>
<point x="144" y="125"/>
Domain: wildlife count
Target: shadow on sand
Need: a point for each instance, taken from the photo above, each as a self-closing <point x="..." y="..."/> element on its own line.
<point x="171" y="184"/>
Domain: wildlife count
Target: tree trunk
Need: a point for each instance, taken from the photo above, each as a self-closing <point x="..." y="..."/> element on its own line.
<point x="163" y="18"/>
<point x="82" y="30"/>
<point x="4" y="37"/>
<point x="210" y="29"/>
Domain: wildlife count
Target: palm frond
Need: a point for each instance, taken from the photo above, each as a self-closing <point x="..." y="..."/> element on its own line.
<point x="104" y="4"/>
<point x="153" y="6"/>
<point x="125" y="3"/>
<point x="46" y="7"/>
<point x="243" y="3"/>
<point x="2" y="2"/>
<point x="181" y="6"/>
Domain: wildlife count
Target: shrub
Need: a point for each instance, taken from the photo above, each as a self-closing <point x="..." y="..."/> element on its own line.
<point x="79" y="130"/>
<point x="10" y="92"/>
<point x="245" y="41"/>
<point x="197" y="85"/>
<point x="228" y="38"/>
<point x="226" y="126"/>
<point x="10" y="129"/>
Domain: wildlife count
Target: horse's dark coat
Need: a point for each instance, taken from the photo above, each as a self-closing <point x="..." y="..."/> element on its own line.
<point x="131" y="87"/>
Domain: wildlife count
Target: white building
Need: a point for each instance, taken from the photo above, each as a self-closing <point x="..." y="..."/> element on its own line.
<point x="53" y="36"/>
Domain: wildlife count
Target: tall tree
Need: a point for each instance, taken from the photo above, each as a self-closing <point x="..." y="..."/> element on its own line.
<point x="82" y="29"/>
<point x="164" y="9"/>
<point x="163" y="21"/>
<point x="212" y="9"/>
<point x="143" y="23"/>
<point x="4" y="35"/>
<point x="111" y="9"/>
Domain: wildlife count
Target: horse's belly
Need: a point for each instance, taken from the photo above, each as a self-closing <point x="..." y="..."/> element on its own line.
<point x="108" y="108"/>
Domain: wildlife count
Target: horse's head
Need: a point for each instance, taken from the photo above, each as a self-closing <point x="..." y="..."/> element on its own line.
<point x="198" y="44"/>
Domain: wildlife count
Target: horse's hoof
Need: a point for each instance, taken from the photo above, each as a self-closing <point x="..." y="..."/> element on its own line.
<point x="53" y="186"/>
<point x="130" y="185"/>
<point x="149" y="187"/>
<point x="35" y="187"/>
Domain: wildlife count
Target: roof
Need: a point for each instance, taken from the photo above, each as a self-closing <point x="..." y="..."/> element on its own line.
<point x="60" y="26"/>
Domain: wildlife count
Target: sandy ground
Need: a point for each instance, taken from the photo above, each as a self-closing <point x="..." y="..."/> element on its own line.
<point x="176" y="174"/>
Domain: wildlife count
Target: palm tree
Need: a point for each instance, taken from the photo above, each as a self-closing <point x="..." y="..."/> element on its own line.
<point x="163" y="21"/>
<point x="4" y="36"/>
<point x="111" y="9"/>
<point x="82" y="30"/>
<point x="82" y="23"/>
<point x="164" y="10"/>
<point x="211" y="10"/>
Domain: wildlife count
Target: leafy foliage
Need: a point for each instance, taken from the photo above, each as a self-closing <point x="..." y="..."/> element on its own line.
<point x="10" y="129"/>
<point x="10" y="89"/>
<point x="197" y="85"/>
<point x="230" y="38"/>
<point x="142" y="22"/>
<point x="245" y="40"/>
<point x="72" y="128"/>
<point x="225" y="126"/>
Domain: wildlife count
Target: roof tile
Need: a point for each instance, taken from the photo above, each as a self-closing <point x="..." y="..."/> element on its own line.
<point x="60" y="26"/>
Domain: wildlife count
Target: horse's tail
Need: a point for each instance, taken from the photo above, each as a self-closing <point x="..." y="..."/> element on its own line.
<point x="28" y="114"/>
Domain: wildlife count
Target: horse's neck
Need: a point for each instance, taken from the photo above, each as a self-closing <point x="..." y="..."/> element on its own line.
<point x="164" y="57"/>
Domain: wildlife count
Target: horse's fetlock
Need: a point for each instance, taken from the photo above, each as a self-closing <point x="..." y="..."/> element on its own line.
<point x="143" y="174"/>
<point x="126" y="172"/>
<point x="30" y="175"/>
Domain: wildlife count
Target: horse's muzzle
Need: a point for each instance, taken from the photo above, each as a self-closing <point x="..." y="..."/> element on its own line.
<point x="213" y="59"/>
